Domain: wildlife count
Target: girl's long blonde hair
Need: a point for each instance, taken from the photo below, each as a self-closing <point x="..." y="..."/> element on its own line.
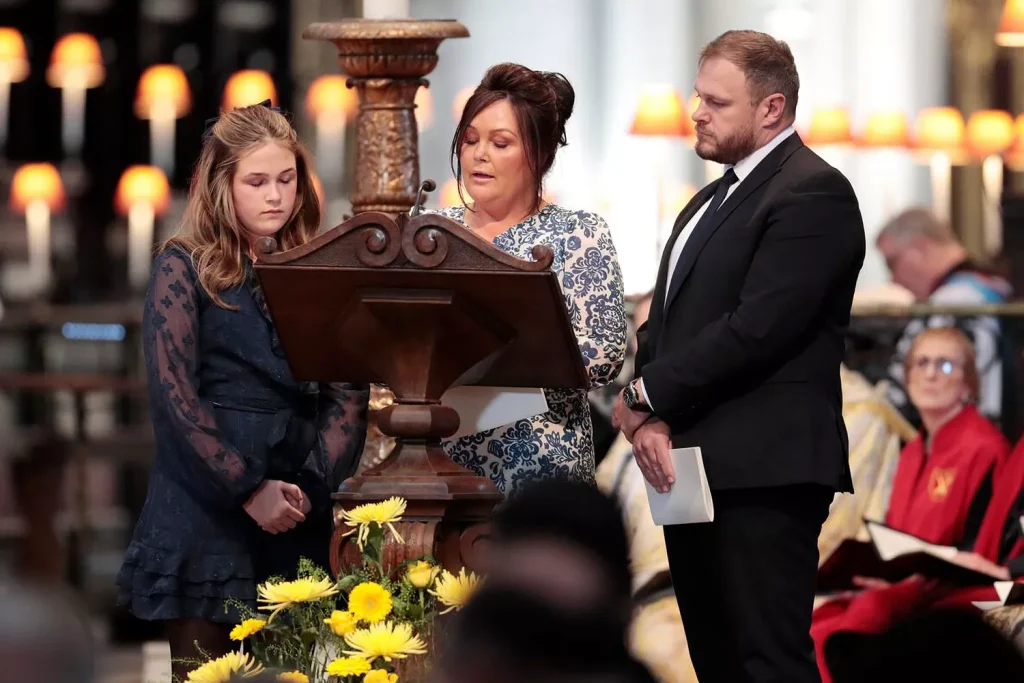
<point x="210" y="231"/>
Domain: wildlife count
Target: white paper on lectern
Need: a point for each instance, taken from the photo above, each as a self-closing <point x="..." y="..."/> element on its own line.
<point x="484" y="408"/>
<point x="688" y="501"/>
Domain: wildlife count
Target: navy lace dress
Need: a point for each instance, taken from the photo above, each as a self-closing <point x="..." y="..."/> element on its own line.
<point x="228" y="414"/>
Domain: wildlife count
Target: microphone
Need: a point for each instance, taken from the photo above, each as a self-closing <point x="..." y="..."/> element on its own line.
<point x="421" y="196"/>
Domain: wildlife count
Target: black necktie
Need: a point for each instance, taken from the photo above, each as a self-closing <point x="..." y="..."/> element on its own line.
<point x="727" y="180"/>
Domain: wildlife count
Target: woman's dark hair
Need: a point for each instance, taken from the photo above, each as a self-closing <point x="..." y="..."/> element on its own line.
<point x="542" y="103"/>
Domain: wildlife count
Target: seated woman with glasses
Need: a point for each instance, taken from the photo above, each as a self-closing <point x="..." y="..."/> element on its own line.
<point x="944" y="479"/>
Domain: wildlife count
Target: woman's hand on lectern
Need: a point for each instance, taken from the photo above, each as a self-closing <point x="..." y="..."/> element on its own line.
<point x="272" y="508"/>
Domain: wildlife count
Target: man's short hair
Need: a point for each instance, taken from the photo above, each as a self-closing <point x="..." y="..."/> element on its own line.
<point x="767" y="64"/>
<point x="917" y="222"/>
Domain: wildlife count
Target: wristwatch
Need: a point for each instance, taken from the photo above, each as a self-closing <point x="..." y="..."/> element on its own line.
<point x="632" y="398"/>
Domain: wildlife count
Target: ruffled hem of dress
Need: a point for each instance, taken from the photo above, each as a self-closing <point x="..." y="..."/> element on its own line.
<point x="158" y="584"/>
<point x="167" y="607"/>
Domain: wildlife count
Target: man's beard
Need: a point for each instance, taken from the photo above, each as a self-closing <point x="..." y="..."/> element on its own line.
<point x="732" y="149"/>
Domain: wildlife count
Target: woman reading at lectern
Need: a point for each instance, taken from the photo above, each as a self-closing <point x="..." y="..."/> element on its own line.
<point x="246" y="456"/>
<point x="504" y="145"/>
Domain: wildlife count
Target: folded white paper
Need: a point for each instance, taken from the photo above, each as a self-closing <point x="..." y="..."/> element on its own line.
<point x="688" y="501"/>
<point x="484" y="408"/>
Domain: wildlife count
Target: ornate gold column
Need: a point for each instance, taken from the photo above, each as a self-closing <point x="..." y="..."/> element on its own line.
<point x="973" y="53"/>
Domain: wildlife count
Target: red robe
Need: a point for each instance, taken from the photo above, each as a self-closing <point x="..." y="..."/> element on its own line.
<point x="932" y="496"/>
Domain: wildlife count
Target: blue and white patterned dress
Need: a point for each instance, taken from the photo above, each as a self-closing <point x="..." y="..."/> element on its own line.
<point x="559" y="443"/>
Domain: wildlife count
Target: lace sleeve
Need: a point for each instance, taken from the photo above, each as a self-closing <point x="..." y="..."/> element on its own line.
<point x="342" y="433"/>
<point x="204" y="462"/>
<point x="592" y="285"/>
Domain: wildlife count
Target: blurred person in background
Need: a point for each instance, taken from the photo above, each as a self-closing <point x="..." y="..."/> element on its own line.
<point x="44" y="636"/>
<point x="925" y="257"/>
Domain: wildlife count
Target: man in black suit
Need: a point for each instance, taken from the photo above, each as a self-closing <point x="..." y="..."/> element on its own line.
<point x="741" y="356"/>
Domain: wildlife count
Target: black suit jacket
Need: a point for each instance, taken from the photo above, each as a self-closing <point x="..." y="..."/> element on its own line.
<point x="744" y="359"/>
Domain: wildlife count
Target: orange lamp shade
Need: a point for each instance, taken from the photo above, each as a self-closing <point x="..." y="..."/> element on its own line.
<point x="163" y="86"/>
<point x="829" y="126"/>
<point x="13" y="59"/>
<point x="449" y="195"/>
<point x="76" y="60"/>
<point x="36" y="182"/>
<point x="330" y="95"/>
<point x="459" y="104"/>
<point x="249" y="86"/>
<point x="146" y="184"/>
<point x="1017" y="147"/>
<point x="939" y="129"/>
<point x="989" y="132"/>
<point x="1011" y="24"/>
<point x="424" y="110"/>
<point x="885" y="129"/>
<point x="661" y="112"/>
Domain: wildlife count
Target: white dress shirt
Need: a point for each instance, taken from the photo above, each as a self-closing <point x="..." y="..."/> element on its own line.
<point x="742" y="169"/>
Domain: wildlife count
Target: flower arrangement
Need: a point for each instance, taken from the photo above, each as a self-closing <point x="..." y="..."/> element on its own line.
<point x="353" y="630"/>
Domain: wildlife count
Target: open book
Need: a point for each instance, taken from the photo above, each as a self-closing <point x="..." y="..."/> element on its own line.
<point x="893" y="555"/>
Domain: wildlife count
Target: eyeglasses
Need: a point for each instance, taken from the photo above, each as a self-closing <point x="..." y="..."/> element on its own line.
<point x="944" y="366"/>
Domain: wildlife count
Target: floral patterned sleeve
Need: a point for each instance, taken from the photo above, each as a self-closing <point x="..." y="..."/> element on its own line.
<point x="342" y="433"/>
<point x="204" y="463"/>
<point x="592" y="285"/>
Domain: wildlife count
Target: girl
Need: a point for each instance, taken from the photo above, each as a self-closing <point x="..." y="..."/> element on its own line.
<point x="246" y="456"/>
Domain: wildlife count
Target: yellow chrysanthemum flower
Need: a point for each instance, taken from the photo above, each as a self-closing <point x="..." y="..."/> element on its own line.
<point x="222" y="669"/>
<point x="386" y="512"/>
<point x="342" y="622"/>
<point x="370" y="601"/>
<point x="348" y="666"/>
<point x="380" y="676"/>
<point x="421" y="574"/>
<point x="385" y="639"/>
<point x="292" y="677"/>
<point x="247" y="628"/>
<point x="455" y="591"/>
<point x="278" y="596"/>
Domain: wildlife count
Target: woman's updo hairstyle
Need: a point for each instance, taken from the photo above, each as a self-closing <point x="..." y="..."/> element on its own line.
<point x="542" y="102"/>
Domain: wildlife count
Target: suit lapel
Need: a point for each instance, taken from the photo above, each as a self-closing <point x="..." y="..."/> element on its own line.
<point x="760" y="174"/>
<point x="685" y="216"/>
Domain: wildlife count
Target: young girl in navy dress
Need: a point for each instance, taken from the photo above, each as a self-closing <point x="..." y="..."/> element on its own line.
<point x="246" y="456"/>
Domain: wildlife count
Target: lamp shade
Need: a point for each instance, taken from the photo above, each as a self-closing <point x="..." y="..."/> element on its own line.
<point x="247" y="87"/>
<point x="989" y="132"/>
<point x="330" y="96"/>
<point x="163" y="86"/>
<point x="424" y="111"/>
<point x="885" y="129"/>
<point x="146" y="184"/>
<point x="459" y="104"/>
<point x="34" y="182"/>
<point x="76" y="61"/>
<point x="939" y="129"/>
<point x="661" y="112"/>
<point x="1011" y="24"/>
<point x="829" y="126"/>
<point x="13" y="58"/>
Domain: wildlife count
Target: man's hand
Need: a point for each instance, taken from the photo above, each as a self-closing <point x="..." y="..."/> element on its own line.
<point x="652" y="446"/>
<point x="272" y="508"/>
<point x="627" y="420"/>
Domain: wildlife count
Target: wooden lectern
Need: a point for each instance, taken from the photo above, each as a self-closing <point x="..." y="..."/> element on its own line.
<point x="420" y="304"/>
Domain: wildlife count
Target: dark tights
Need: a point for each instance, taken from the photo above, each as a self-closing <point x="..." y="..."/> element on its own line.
<point x="185" y="634"/>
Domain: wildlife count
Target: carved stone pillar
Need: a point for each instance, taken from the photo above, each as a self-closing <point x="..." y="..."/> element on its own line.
<point x="386" y="60"/>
